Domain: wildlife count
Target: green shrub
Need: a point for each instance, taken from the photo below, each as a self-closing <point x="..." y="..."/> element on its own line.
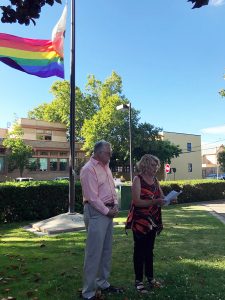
<point x="193" y="191"/>
<point x="196" y="190"/>
<point x="36" y="200"/>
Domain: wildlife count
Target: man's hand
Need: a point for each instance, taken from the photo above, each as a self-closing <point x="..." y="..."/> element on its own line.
<point x="112" y="212"/>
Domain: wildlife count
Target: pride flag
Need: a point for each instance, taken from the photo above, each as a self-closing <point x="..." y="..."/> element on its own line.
<point x="42" y="58"/>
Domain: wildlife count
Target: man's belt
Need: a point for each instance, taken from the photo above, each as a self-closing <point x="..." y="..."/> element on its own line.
<point x="110" y="204"/>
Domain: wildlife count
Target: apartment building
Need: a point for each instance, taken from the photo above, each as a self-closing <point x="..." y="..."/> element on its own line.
<point x="189" y="163"/>
<point x="50" y="150"/>
<point x="51" y="153"/>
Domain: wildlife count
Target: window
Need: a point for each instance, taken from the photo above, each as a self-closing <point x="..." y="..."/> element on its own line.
<point x="44" y="153"/>
<point x="53" y="153"/>
<point x="62" y="164"/>
<point x="2" y="150"/>
<point x="2" y="164"/>
<point x="33" y="164"/>
<point x="63" y="153"/>
<point x="43" y="164"/>
<point x="189" y="147"/>
<point x="44" y="135"/>
<point x="190" y="167"/>
<point x="53" y="164"/>
<point x="127" y="169"/>
<point x="120" y="169"/>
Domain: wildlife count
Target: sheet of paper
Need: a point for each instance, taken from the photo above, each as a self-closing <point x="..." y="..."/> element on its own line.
<point x="171" y="196"/>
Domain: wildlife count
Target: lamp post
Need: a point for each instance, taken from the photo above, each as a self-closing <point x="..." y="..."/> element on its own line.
<point x="124" y="107"/>
<point x="217" y="165"/>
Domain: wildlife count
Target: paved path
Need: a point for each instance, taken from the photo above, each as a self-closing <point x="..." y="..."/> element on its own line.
<point x="216" y="208"/>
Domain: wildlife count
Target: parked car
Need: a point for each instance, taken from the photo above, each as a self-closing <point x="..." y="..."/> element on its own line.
<point x="62" y="178"/>
<point x="214" y="176"/>
<point x="19" y="179"/>
<point x="211" y="176"/>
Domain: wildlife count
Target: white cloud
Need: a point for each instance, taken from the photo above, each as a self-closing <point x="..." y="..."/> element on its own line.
<point x="214" y="130"/>
<point x="217" y="2"/>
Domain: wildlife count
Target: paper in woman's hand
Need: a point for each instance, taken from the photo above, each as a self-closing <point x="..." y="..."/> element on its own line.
<point x="171" y="196"/>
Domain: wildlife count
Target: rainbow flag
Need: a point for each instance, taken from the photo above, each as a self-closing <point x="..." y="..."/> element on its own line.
<point x="42" y="58"/>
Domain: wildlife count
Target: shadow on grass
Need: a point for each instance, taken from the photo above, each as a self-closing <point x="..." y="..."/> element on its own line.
<point x="189" y="259"/>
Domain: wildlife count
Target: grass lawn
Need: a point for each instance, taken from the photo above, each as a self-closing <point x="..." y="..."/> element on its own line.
<point x="189" y="259"/>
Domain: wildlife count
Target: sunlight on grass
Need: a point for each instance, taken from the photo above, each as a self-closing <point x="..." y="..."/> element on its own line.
<point x="195" y="207"/>
<point x="216" y="264"/>
<point x="189" y="258"/>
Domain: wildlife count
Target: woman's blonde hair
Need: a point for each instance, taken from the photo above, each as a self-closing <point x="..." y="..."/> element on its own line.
<point x="146" y="161"/>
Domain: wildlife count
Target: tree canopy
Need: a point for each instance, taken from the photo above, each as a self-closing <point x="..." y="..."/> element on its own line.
<point x="24" y="11"/>
<point x="221" y="160"/>
<point x="19" y="152"/>
<point x="112" y="125"/>
<point x="59" y="109"/>
<point x="199" y="3"/>
<point x="97" y="118"/>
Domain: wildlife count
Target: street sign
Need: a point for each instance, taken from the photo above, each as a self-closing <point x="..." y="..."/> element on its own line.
<point x="167" y="168"/>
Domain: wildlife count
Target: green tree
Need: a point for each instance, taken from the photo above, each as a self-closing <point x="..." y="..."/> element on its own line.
<point x="58" y="110"/>
<point x="147" y="139"/>
<point x="222" y="93"/>
<point x="24" y="11"/>
<point x="106" y="122"/>
<point x="199" y="3"/>
<point x="97" y="118"/>
<point x="19" y="152"/>
<point x="112" y="125"/>
<point x="221" y="160"/>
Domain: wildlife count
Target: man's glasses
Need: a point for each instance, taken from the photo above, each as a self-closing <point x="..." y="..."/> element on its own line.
<point x="107" y="152"/>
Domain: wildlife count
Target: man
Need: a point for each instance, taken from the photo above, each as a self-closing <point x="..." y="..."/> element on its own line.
<point x="100" y="207"/>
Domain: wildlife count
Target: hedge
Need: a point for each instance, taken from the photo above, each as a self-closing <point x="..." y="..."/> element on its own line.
<point x="193" y="191"/>
<point x="196" y="190"/>
<point x="36" y="200"/>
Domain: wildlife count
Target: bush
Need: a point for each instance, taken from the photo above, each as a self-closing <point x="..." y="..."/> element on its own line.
<point x="196" y="190"/>
<point x="193" y="191"/>
<point x="36" y="200"/>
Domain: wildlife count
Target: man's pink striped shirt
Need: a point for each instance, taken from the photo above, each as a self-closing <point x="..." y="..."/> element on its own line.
<point x="98" y="185"/>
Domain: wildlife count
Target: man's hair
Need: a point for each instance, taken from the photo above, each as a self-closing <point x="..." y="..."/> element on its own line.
<point x="99" y="145"/>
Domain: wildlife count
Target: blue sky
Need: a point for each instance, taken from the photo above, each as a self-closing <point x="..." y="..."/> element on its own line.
<point x="171" y="59"/>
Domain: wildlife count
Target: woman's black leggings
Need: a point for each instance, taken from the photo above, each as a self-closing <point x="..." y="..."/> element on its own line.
<point x="143" y="254"/>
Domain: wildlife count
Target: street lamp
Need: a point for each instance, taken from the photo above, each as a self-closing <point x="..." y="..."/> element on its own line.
<point x="124" y="107"/>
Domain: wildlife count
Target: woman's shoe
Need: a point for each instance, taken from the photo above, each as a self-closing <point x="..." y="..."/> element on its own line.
<point x="140" y="287"/>
<point x="153" y="283"/>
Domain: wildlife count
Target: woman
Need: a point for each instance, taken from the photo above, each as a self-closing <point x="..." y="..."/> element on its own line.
<point x="145" y="219"/>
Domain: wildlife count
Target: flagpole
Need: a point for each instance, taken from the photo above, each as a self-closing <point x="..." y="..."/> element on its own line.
<point x="72" y="114"/>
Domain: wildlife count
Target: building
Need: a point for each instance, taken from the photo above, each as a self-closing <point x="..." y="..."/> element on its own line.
<point x="51" y="153"/>
<point x="189" y="163"/>
<point x="50" y="150"/>
<point x="209" y="160"/>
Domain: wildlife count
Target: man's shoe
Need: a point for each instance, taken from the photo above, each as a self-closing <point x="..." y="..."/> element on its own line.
<point x="112" y="289"/>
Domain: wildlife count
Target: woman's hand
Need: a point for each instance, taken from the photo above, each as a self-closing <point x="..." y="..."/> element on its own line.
<point x="174" y="201"/>
<point x="159" y="202"/>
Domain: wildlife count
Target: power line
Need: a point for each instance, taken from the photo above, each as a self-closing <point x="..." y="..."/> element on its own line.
<point x="203" y="148"/>
<point x="197" y="151"/>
